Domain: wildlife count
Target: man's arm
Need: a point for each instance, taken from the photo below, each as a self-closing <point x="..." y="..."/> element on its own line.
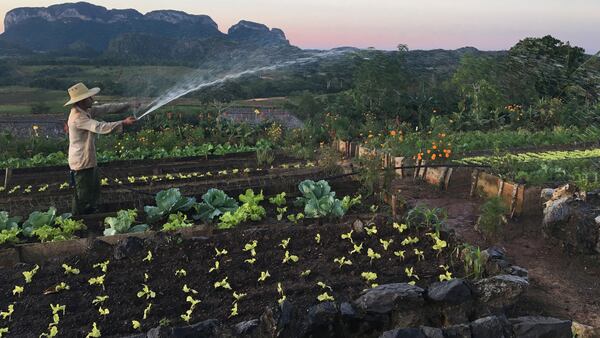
<point x="110" y="108"/>
<point x="86" y="123"/>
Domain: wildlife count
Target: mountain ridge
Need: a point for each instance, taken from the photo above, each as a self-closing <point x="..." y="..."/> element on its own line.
<point x="56" y="27"/>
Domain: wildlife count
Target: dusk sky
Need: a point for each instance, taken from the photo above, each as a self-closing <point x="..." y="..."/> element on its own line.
<point x="424" y="24"/>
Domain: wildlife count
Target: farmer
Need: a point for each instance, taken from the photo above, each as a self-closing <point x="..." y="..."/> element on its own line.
<point x="82" y="143"/>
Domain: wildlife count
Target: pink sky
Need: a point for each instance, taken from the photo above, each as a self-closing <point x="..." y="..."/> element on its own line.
<point x="424" y="24"/>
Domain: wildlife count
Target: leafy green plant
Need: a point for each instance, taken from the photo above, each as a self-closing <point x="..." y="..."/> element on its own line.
<point x="348" y="202"/>
<point x="177" y="221"/>
<point x="230" y="220"/>
<point x="64" y="229"/>
<point x="38" y="219"/>
<point x="279" y="201"/>
<point x="473" y="261"/>
<point x="123" y="223"/>
<point x="492" y="217"/>
<point x="251" y="205"/>
<point x="318" y="200"/>
<point x="214" y="203"/>
<point x="168" y="202"/>
<point x="421" y="216"/>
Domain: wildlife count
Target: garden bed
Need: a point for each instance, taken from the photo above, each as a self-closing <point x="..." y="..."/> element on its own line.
<point x="124" y="278"/>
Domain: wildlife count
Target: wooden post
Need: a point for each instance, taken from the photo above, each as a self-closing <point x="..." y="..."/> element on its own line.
<point x="7" y="176"/>
<point x="474" y="181"/>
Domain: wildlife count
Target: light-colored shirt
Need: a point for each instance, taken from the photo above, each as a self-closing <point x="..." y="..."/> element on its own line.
<point x="83" y="129"/>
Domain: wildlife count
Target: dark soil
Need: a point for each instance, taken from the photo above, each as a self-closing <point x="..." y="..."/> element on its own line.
<point x="125" y="277"/>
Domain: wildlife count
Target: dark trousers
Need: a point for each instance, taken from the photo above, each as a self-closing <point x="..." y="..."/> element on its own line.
<point x="87" y="191"/>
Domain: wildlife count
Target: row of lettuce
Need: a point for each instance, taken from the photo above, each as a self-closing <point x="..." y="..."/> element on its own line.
<point x="174" y="211"/>
<point x="138" y="153"/>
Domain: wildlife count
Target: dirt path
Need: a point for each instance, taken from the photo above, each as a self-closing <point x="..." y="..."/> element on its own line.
<point x="562" y="285"/>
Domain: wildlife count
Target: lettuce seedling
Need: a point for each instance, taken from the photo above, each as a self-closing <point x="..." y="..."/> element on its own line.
<point x="373" y="255"/>
<point x="168" y="202"/>
<point x="371" y="231"/>
<point x="234" y="310"/>
<point x="284" y="243"/>
<point x="325" y="297"/>
<point x="29" y="274"/>
<point x="193" y="302"/>
<point x="99" y="300"/>
<point x="148" y="257"/>
<point x="103" y="266"/>
<point x="103" y="311"/>
<point x="369" y="276"/>
<point x="223" y="284"/>
<point x="97" y="281"/>
<point x="385" y="243"/>
<point x="324" y="286"/>
<point x="146" y="292"/>
<point x="410" y="273"/>
<point x="95" y="333"/>
<point x="289" y="258"/>
<point x="445" y="276"/>
<point x="8" y="313"/>
<point x="9" y="236"/>
<point x="400" y="227"/>
<point x="214" y="268"/>
<point x="70" y="270"/>
<point x="3" y="330"/>
<point x="214" y="203"/>
<point x="264" y="275"/>
<point x="147" y="310"/>
<point x="400" y="253"/>
<point x="305" y="273"/>
<point x="282" y="296"/>
<point x="187" y="316"/>
<point x="136" y="325"/>
<point x="250" y="261"/>
<point x="180" y="273"/>
<point x="123" y="223"/>
<point x="186" y="289"/>
<point x="18" y="290"/>
<point x="62" y="286"/>
<point x="251" y="246"/>
<point x="342" y="261"/>
<point x="419" y="254"/>
<point x="348" y="236"/>
<point x="410" y="240"/>
<point x="220" y="252"/>
<point x="357" y="248"/>
<point x="238" y="296"/>
<point x="318" y="238"/>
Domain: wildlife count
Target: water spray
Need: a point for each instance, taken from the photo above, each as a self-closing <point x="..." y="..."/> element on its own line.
<point x="192" y="85"/>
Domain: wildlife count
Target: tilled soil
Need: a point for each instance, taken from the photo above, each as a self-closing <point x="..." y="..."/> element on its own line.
<point x="125" y="278"/>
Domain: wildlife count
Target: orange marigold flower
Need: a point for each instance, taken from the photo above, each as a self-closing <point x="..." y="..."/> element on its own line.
<point x="429" y="151"/>
<point x="433" y="157"/>
<point x="393" y="133"/>
<point x="434" y="147"/>
<point x="447" y="155"/>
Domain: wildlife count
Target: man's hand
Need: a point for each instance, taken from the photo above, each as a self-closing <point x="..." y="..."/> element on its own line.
<point x="129" y="121"/>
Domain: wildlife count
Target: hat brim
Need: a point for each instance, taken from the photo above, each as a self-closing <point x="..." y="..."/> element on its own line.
<point x="90" y="93"/>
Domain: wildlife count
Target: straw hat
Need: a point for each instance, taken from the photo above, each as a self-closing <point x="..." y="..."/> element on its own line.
<point x="80" y="92"/>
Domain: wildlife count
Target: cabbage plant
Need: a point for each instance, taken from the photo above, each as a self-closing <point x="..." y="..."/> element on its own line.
<point x="168" y="202"/>
<point x="214" y="203"/>
<point x="318" y="200"/>
<point x="123" y="223"/>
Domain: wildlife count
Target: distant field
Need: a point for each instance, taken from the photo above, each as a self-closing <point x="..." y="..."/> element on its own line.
<point x="138" y="82"/>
